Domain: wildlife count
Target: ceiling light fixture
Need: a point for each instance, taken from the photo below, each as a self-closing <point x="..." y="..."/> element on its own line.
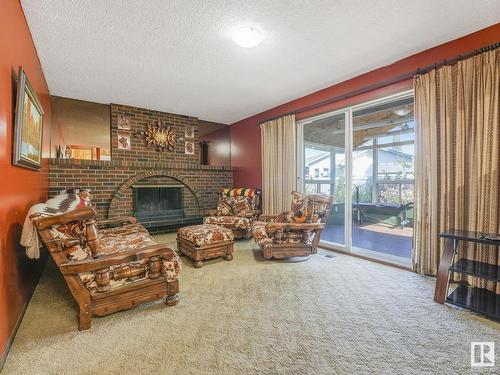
<point x="402" y="111"/>
<point x="247" y="37"/>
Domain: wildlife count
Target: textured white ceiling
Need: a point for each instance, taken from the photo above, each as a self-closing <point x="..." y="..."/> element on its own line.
<point x="177" y="56"/>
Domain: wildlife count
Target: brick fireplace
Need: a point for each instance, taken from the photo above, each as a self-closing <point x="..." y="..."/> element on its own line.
<point x="172" y="186"/>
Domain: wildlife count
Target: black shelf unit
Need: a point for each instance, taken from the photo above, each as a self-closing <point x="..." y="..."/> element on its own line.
<point x="483" y="270"/>
<point x="478" y="300"/>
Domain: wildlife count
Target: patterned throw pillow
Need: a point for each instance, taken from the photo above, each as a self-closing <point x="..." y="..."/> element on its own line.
<point x="241" y="206"/>
<point x="317" y="209"/>
<point x="224" y="209"/>
<point x="285" y="217"/>
<point x="299" y="203"/>
<point x="253" y="202"/>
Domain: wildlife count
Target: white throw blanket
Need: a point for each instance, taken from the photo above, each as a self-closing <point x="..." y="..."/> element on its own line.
<point x="55" y="206"/>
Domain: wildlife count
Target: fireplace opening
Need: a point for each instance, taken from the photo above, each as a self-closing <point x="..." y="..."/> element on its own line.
<point x="164" y="207"/>
<point x="158" y="202"/>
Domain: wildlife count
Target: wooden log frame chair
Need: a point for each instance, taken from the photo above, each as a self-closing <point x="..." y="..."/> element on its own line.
<point x="114" y="274"/>
<point x="296" y="232"/>
<point x="236" y="210"/>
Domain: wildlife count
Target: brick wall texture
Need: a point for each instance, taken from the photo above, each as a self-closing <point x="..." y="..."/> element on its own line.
<point x="111" y="182"/>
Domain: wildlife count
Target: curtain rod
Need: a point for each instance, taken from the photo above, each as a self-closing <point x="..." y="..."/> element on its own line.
<point x="390" y="81"/>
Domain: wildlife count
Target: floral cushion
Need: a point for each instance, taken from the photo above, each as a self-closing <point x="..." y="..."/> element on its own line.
<point x="229" y="222"/>
<point x="126" y="237"/>
<point x="284" y="217"/>
<point x="318" y="210"/>
<point x="250" y="195"/>
<point x="205" y="234"/>
<point x="239" y="206"/>
<point x="306" y="208"/>
<point x="260" y="234"/>
<point x="72" y="229"/>
<point x="224" y="209"/>
<point x="253" y="201"/>
<point x="115" y="240"/>
<point x="299" y="204"/>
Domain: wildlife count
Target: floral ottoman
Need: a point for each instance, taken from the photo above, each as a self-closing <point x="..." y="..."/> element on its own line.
<point x="206" y="241"/>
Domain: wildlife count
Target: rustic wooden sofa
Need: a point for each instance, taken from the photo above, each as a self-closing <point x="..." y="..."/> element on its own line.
<point x="109" y="270"/>
<point x="296" y="232"/>
<point x="236" y="210"/>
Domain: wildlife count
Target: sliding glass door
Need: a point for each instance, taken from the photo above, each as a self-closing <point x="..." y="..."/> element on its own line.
<point x="367" y="150"/>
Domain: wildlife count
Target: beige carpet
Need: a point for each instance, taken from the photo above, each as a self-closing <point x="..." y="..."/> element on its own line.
<point x="337" y="315"/>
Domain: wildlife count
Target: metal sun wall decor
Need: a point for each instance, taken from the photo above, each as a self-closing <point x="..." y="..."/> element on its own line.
<point x="159" y="135"/>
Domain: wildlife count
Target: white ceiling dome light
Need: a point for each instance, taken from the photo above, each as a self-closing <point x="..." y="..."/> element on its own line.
<point x="247" y="36"/>
<point x="403" y="111"/>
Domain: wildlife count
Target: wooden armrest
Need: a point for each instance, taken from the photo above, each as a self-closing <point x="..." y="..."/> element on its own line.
<point x="85" y="213"/>
<point x="117" y="221"/>
<point x="294" y="226"/>
<point x="105" y="261"/>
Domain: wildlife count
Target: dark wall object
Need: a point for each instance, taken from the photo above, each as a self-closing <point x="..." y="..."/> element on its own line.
<point x="204" y="152"/>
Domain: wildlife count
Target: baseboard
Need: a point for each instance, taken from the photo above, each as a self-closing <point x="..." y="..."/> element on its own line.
<point x="12" y="336"/>
<point x="356" y="255"/>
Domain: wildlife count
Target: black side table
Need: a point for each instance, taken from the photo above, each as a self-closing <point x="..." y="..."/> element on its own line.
<point x="479" y="300"/>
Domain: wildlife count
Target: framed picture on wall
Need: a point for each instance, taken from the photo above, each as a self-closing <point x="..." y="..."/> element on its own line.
<point x="123" y="122"/>
<point x="124" y="141"/>
<point x="28" y="126"/>
<point x="189" y="148"/>
<point x="189" y="131"/>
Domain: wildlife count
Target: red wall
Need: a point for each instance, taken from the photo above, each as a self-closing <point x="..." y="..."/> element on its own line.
<point x="245" y="134"/>
<point x="19" y="188"/>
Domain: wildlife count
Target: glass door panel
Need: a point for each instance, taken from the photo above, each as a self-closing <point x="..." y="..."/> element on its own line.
<point x="383" y="178"/>
<point x="324" y="171"/>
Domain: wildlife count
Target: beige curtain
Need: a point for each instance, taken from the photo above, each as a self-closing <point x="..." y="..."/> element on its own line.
<point x="279" y="163"/>
<point x="458" y="160"/>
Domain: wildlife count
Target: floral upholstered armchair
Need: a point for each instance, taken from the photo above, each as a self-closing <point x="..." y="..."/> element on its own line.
<point x="296" y="232"/>
<point x="236" y="210"/>
<point x="108" y="265"/>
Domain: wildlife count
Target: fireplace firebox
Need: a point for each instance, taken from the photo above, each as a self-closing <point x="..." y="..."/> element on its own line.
<point x="158" y="202"/>
<point x="164" y="206"/>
